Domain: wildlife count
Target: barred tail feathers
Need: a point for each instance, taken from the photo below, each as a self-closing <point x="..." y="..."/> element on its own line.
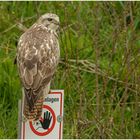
<point x="32" y="109"/>
<point x="36" y="111"/>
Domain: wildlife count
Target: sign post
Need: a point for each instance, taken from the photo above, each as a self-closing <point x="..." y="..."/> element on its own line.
<point x="50" y="124"/>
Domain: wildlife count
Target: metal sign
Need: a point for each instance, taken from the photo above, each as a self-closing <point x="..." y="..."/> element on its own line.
<point x="50" y="124"/>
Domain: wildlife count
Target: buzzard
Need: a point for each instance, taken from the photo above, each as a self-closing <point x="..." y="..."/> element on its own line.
<point x="37" y="58"/>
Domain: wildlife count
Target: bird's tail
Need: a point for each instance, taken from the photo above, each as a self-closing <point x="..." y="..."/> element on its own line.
<point x="32" y="110"/>
<point x="36" y="112"/>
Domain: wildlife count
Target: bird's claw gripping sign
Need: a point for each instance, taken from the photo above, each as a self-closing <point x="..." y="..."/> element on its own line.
<point x="50" y="124"/>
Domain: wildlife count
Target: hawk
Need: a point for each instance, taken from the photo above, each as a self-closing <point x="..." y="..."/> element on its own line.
<point x="37" y="58"/>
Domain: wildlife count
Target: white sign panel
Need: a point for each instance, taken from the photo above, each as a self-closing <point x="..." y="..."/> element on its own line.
<point x="50" y="125"/>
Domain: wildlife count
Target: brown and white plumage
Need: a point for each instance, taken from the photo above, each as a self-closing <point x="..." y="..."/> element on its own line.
<point x="37" y="58"/>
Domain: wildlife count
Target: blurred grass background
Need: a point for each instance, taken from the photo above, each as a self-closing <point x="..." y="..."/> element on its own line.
<point x="99" y="68"/>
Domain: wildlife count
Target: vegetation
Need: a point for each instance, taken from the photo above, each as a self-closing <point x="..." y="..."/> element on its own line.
<point x="99" y="68"/>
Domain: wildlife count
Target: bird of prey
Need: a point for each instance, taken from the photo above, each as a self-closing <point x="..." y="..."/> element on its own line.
<point x="37" y="58"/>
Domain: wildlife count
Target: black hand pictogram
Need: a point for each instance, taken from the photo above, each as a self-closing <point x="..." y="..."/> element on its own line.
<point x="46" y="120"/>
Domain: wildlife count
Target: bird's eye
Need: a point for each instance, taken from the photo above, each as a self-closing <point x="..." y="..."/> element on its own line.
<point x="49" y="19"/>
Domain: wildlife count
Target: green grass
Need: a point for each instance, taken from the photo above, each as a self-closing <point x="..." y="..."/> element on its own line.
<point x="99" y="68"/>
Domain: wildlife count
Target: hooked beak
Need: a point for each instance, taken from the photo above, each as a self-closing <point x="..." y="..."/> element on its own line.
<point x="56" y="23"/>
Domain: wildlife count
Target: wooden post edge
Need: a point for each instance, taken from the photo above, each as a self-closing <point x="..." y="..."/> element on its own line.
<point x="19" y="118"/>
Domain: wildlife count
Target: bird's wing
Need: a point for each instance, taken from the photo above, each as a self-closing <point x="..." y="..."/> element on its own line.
<point x="37" y="59"/>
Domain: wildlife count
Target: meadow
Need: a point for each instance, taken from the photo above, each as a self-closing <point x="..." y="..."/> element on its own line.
<point x="99" y="68"/>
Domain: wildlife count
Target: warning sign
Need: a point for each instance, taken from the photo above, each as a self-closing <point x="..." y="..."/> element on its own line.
<point x="50" y="124"/>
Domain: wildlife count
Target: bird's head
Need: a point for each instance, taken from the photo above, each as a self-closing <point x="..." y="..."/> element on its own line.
<point x="49" y="20"/>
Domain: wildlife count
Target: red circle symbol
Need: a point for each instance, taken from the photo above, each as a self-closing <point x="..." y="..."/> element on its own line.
<point x="50" y="128"/>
